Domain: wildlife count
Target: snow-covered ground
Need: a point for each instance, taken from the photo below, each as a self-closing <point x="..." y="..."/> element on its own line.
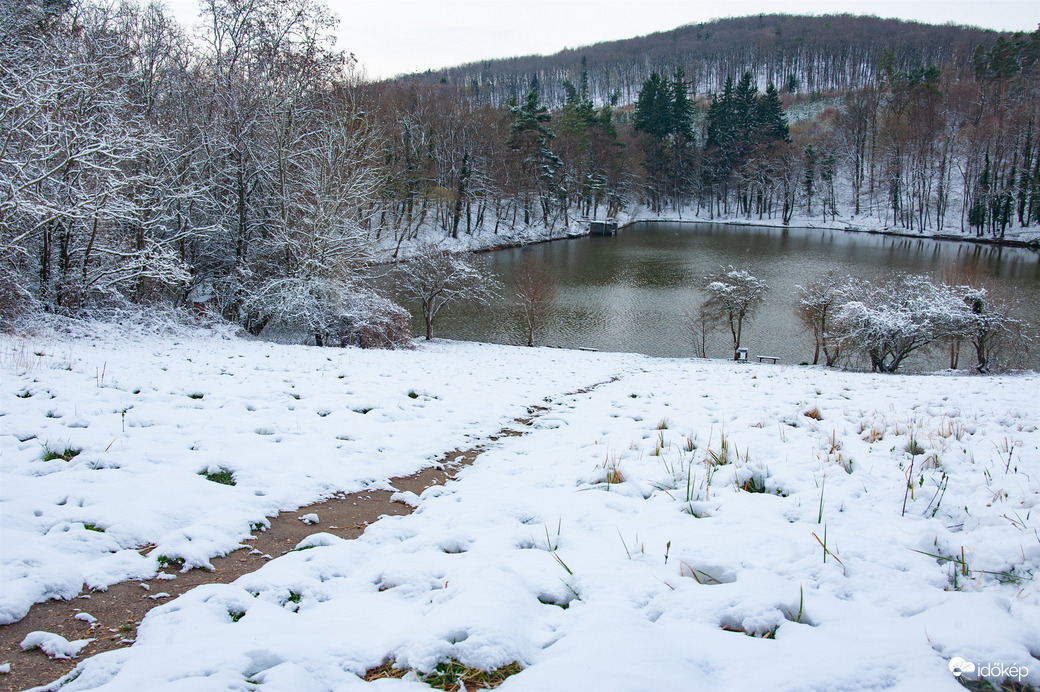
<point x="665" y="524"/>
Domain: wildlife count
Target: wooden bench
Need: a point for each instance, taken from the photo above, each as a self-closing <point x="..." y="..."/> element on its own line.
<point x="771" y="359"/>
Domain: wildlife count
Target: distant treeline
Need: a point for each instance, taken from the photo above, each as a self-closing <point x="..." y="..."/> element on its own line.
<point x="796" y="53"/>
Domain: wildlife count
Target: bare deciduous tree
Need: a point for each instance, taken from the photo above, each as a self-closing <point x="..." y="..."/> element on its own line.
<point x="700" y="323"/>
<point x="818" y="301"/>
<point x="733" y="295"/>
<point x="534" y="290"/>
<point x="79" y="206"/>
<point x="436" y="278"/>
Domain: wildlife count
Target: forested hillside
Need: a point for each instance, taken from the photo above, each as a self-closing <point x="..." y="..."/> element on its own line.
<point x="837" y="52"/>
<point x="247" y="168"/>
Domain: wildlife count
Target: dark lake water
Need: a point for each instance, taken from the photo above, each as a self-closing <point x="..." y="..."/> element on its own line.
<point x="634" y="291"/>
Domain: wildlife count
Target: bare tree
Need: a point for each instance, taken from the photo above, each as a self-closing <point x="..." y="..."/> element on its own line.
<point x="988" y="325"/>
<point x="534" y="289"/>
<point x="313" y="259"/>
<point x="818" y="301"/>
<point x="436" y="278"/>
<point x="733" y="295"/>
<point x="79" y="206"/>
<point x="700" y="323"/>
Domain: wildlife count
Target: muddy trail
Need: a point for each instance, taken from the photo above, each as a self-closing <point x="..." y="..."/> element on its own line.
<point x="118" y="610"/>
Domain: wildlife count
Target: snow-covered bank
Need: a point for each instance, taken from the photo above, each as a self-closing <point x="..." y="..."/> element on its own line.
<point x="657" y="514"/>
<point x="865" y="223"/>
<point x="386" y="249"/>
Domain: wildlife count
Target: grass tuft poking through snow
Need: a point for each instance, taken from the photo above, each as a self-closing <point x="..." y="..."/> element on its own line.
<point x="219" y="475"/>
<point x="450" y="676"/>
<point x="66" y="454"/>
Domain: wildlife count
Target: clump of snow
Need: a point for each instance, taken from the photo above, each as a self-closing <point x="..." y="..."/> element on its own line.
<point x="406" y="497"/>
<point x="316" y="540"/>
<point x="54" y="645"/>
<point x="311" y="518"/>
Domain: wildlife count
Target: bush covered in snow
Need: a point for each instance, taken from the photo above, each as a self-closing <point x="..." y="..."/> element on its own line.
<point x="371" y="321"/>
<point x="890" y="319"/>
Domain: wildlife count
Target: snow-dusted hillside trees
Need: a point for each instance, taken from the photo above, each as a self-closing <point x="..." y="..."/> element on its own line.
<point x="235" y="168"/>
<point x="245" y="165"/>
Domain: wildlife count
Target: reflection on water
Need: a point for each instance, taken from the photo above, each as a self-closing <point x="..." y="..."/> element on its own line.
<point x="633" y="291"/>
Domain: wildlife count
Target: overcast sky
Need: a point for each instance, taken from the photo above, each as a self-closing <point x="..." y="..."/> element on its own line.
<point x="390" y="37"/>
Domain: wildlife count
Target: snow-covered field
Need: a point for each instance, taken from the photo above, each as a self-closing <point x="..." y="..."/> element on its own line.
<point x="665" y="524"/>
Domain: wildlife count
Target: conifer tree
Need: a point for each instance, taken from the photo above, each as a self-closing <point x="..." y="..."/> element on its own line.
<point x="770" y="113"/>
<point x="530" y="135"/>
<point x="682" y="110"/>
<point x="739" y="124"/>
<point x="653" y="111"/>
<point x="1025" y="178"/>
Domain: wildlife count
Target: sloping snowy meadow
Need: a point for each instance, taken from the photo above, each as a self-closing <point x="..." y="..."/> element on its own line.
<point x="663" y="524"/>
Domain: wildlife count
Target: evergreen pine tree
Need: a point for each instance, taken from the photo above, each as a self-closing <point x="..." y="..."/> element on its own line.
<point x="980" y="209"/>
<point x="653" y="107"/>
<point x="1025" y="177"/>
<point x="772" y="122"/>
<point x="584" y="93"/>
<point x="720" y="127"/>
<point x="530" y="134"/>
<point x="1034" y="195"/>
<point x="682" y="107"/>
<point x="745" y="107"/>
<point x="719" y="154"/>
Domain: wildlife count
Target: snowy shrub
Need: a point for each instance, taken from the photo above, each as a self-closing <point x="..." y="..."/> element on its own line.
<point x="286" y="304"/>
<point x="888" y="320"/>
<point x="14" y="300"/>
<point x="330" y="312"/>
<point x="988" y="325"/>
<point x="371" y="321"/>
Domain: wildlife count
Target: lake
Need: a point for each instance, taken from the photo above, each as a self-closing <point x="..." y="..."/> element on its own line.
<point x="633" y="291"/>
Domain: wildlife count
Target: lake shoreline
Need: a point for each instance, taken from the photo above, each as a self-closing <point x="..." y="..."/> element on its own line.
<point x="1033" y="244"/>
<point x="390" y="254"/>
<point x="630" y="292"/>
